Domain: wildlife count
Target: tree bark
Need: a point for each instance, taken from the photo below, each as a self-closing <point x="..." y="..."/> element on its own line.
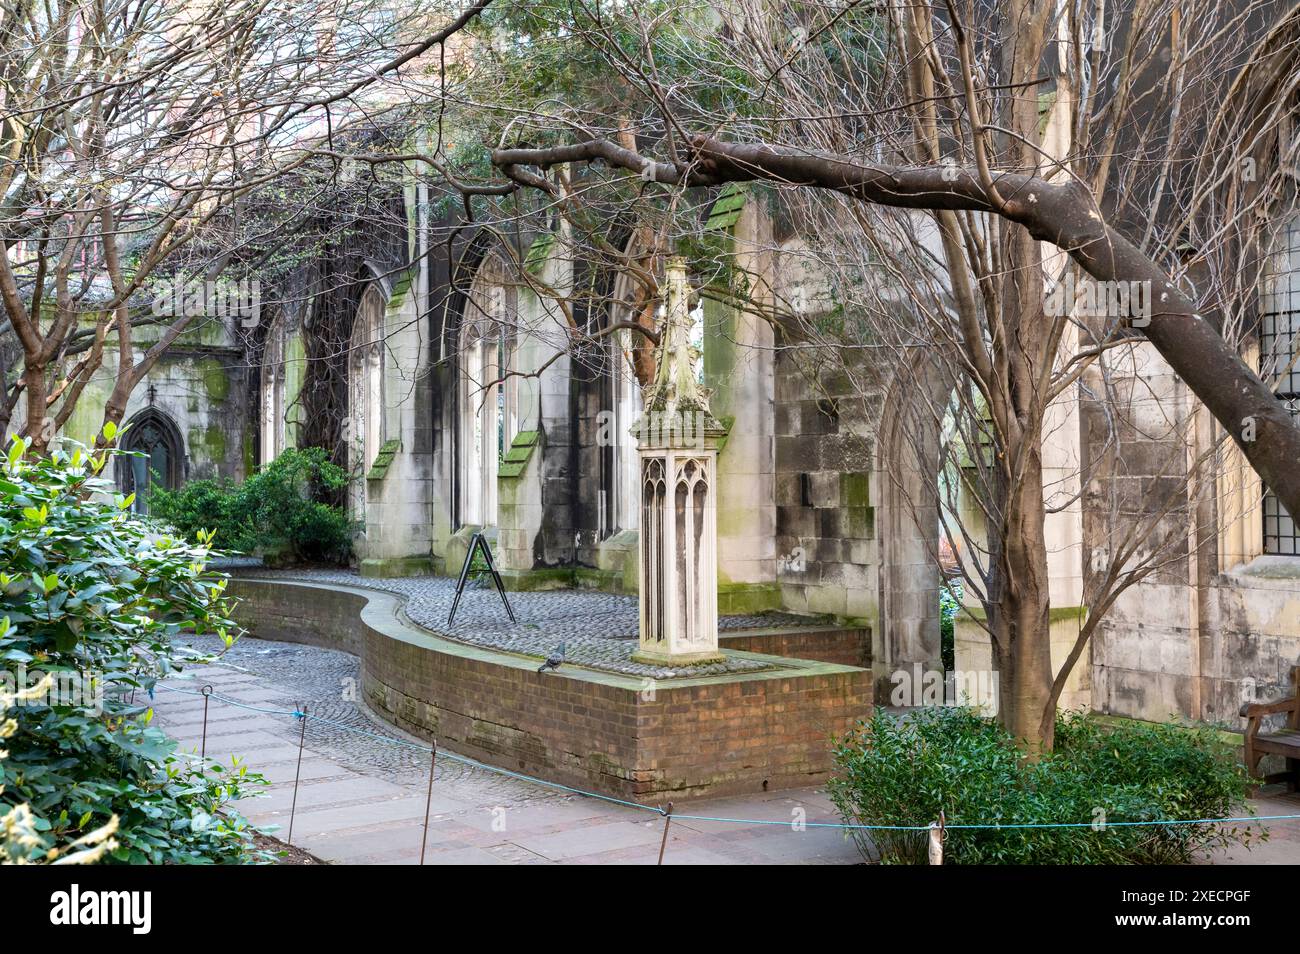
<point x="1062" y="214"/>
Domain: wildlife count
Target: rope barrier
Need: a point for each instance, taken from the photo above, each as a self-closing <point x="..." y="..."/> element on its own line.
<point x="843" y="826"/>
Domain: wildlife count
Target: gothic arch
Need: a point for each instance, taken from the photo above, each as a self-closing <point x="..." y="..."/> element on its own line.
<point x="906" y="478"/>
<point x="273" y="390"/>
<point x="156" y="454"/>
<point x="364" y="425"/>
<point x="622" y="398"/>
<point x="486" y="398"/>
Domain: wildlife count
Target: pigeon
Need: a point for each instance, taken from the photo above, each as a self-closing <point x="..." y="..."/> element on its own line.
<point x="554" y="660"/>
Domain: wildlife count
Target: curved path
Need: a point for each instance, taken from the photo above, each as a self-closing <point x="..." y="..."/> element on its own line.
<point x="362" y="801"/>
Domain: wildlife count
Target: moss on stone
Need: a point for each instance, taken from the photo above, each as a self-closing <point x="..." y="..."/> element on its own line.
<point x="861" y="522"/>
<point x="537" y="254"/>
<point x="384" y="459"/>
<point x="1056" y="614"/>
<point x="207" y="444"/>
<point x="517" y="457"/>
<point x="395" y="566"/>
<point x="855" y="490"/>
<point x="739" y="599"/>
<point x="725" y="212"/>
<point x="538" y="578"/>
<point x="216" y="380"/>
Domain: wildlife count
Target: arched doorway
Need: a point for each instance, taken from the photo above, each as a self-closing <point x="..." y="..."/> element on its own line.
<point x="156" y="456"/>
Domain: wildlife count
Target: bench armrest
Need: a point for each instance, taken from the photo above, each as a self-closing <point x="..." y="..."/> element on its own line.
<point x="1258" y="709"/>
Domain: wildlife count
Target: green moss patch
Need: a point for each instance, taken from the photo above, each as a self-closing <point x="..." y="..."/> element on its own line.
<point x="517" y="457"/>
<point x="726" y="211"/>
<point x="384" y="459"/>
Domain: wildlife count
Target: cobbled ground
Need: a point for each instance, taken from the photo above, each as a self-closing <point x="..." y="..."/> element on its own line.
<point x="328" y="683"/>
<point x="598" y="629"/>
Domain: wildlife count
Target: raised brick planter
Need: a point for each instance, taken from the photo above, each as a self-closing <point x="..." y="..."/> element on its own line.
<point x="614" y="734"/>
<point x="845" y="645"/>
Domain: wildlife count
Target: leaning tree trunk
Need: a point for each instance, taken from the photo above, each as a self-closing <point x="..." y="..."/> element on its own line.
<point x="1061" y="213"/>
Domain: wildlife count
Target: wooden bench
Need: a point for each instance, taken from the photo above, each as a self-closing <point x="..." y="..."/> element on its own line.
<point x="1285" y="742"/>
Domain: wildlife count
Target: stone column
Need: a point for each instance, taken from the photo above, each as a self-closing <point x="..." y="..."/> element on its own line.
<point x="677" y="441"/>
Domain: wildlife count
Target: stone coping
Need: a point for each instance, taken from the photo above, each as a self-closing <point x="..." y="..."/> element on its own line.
<point x="771" y="726"/>
<point x="384" y="613"/>
<point x="594" y="626"/>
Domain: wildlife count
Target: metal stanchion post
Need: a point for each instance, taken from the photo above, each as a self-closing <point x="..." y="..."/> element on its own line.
<point x="203" y="745"/>
<point x="302" y="738"/>
<point x="668" y="820"/>
<point x="428" y="798"/>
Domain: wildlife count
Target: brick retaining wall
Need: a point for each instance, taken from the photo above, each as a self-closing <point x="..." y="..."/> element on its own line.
<point x="846" y="646"/>
<point x="614" y="734"/>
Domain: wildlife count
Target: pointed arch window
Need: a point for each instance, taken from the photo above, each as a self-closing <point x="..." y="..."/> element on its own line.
<point x="273" y="392"/>
<point x="488" y="394"/>
<point x="364" y="425"/>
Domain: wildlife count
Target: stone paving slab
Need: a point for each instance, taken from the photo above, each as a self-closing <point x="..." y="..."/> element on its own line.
<point x="598" y="629"/>
<point x="363" y="802"/>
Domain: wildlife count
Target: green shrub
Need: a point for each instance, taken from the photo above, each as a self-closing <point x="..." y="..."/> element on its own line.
<point x="92" y="597"/>
<point x="282" y="512"/>
<point x="950" y="595"/>
<point x="904" y="771"/>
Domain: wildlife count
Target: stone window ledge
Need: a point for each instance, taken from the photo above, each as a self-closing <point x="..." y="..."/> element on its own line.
<point x="1266" y="572"/>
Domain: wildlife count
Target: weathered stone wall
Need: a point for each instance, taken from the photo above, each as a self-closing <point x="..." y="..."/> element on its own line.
<point x="202" y="384"/>
<point x="738" y="367"/>
<point x="844" y="646"/>
<point x="1216" y="624"/>
<point x="828" y="559"/>
<point x="399" y="488"/>
<point x="599" y="731"/>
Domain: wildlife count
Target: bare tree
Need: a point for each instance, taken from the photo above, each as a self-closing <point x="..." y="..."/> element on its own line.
<point x="953" y="147"/>
<point x="134" y="134"/>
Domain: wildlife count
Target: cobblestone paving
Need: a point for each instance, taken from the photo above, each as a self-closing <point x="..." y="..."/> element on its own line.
<point x="328" y="683"/>
<point x="362" y="801"/>
<point x="598" y="629"/>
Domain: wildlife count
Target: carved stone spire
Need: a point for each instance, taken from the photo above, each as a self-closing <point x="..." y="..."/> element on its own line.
<point x="677" y="443"/>
<point x="676" y="396"/>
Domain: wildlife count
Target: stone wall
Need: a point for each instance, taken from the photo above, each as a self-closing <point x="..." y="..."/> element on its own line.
<point x="842" y="645"/>
<point x="202" y="384"/>
<point x="1216" y="624"/>
<point x="600" y="731"/>
<point x="825" y="518"/>
<point x="399" y="489"/>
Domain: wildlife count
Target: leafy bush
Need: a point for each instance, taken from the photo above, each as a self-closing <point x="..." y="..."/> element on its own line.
<point x="92" y="599"/>
<point x="21" y="840"/>
<point x="904" y="771"/>
<point x="949" y="605"/>
<point x="282" y="512"/>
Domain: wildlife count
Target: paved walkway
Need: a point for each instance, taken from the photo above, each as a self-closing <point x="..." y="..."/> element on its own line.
<point x="361" y="801"/>
<point x="598" y="629"/>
